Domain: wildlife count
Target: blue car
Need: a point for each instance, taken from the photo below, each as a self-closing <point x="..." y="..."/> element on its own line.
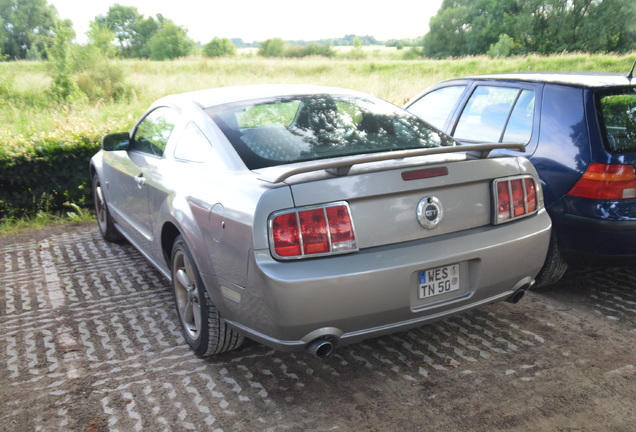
<point x="579" y="131"/>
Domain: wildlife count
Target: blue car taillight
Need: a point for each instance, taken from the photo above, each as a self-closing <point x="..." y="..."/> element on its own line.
<point x="606" y="182"/>
<point x="312" y="231"/>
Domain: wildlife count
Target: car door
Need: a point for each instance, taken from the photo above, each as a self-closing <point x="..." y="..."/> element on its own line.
<point x="131" y="178"/>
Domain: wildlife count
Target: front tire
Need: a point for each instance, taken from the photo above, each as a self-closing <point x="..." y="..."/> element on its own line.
<point x="202" y="326"/>
<point x="104" y="219"/>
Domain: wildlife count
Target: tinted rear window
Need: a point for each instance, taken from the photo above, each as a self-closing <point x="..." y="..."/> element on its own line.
<point x="288" y="130"/>
<point x="618" y="119"/>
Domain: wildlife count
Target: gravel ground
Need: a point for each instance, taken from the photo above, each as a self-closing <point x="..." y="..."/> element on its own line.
<point x="89" y="342"/>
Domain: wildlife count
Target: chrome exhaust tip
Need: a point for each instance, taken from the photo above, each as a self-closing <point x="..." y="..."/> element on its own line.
<point x="320" y="347"/>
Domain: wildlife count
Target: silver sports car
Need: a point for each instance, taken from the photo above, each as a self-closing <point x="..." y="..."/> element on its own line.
<point x="310" y="217"/>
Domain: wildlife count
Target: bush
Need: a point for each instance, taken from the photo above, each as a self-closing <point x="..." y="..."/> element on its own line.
<point x="309" y="50"/>
<point x="219" y="47"/>
<point x="104" y="81"/>
<point x="169" y="43"/>
<point x="45" y="175"/>
<point x="504" y="47"/>
<point x="272" y="48"/>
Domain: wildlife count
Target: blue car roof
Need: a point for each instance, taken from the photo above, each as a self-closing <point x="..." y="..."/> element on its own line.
<point x="582" y="79"/>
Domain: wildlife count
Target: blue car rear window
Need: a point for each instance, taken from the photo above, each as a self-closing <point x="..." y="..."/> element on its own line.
<point x="288" y="130"/>
<point x="618" y="119"/>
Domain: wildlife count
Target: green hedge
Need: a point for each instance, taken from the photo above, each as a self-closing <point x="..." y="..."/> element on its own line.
<point x="44" y="174"/>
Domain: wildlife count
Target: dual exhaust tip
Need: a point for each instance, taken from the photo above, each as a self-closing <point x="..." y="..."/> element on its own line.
<point x="323" y="346"/>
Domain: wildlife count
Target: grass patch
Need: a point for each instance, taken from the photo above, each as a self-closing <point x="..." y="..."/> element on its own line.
<point x="42" y="220"/>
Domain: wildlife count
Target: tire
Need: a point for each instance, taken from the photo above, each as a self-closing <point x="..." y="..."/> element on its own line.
<point x="202" y="326"/>
<point x="554" y="267"/>
<point x="104" y="219"/>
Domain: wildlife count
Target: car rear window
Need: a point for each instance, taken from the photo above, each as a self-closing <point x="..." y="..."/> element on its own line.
<point x="436" y="106"/>
<point x="288" y="130"/>
<point x="618" y="119"/>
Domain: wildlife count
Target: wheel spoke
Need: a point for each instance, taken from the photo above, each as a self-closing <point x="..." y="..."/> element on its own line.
<point x="183" y="279"/>
<point x="196" y="310"/>
<point x="187" y="295"/>
<point x="189" y="316"/>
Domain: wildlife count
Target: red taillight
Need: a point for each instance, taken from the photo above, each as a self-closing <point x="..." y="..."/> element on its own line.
<point x="313" y="226"/>
<point x="531" y="194"/>
<point x="285" y="235"/>
<point x="314" y="231"/>
<point x="516" y="197"/>
<point x="503" y="201"/>
<point x="606" y="182"/>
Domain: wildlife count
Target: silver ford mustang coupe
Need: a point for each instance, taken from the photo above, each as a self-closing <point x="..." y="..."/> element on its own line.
<point x="306" y="217"/>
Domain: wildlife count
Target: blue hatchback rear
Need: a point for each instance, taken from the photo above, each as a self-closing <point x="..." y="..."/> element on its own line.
<point x="579" y="130"/>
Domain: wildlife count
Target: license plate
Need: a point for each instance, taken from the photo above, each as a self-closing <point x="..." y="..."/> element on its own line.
<point x="438" y="281"/>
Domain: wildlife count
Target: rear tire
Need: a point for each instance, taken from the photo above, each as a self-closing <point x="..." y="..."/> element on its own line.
<point x="554" y="267"/>
<point x="104" y="219"/>
<point x="202" y="326"/>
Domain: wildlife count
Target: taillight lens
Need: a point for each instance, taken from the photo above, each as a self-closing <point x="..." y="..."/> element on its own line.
<point x="286" y="235"/>
<point x="516" y="198"/>
<point x="606" y="182"/>
<point x="313" y="231"/>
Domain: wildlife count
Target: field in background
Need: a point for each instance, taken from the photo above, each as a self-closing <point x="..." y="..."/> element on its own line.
<point x="26" y="111"/>
<point x="41" y="138"/>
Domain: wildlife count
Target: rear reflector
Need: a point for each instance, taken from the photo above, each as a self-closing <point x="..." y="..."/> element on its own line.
<point x="516" y="197"/>
<point x="312" y="231"/>
<point x="606" y="182"/>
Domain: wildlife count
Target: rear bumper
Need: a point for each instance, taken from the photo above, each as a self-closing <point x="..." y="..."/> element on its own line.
<point x="592" y="241"/>
<point x="348" y="298"/>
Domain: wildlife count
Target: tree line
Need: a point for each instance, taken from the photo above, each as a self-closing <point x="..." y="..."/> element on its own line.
<point x="509" y="27"/>
<point x="28" y="28"/>
<point x="460" y="27"/>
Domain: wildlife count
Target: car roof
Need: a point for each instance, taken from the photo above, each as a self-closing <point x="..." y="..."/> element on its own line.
<point x="581" y="79"/>
<point x="223" y="95"/>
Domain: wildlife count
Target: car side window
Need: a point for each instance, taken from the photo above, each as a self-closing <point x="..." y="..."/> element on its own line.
<point x="193" y="145"/>
<point x="497" y="114"/>
<point x="436" y="106"/>
<point x="519" y="127"/>
<point x="153" y="132"/>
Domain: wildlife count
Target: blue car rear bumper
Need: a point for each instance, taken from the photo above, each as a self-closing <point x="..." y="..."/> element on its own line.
<point x="591" y="241"/>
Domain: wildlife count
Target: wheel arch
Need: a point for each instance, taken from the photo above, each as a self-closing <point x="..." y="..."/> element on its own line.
<point x="169" y="233"/>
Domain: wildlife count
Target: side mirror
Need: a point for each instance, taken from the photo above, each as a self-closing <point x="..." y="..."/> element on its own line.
<point x="117" y="141"/>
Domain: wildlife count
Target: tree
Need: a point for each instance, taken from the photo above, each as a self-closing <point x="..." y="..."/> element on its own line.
<point x="145" y="30"/>
<point x="102" y="38"/>
<point x="25" y="25"/>
<point x="170" y="42"/>
<point x="60" y="53"/>
<point x="123" y="21"/>
<point x="218" y="47"/>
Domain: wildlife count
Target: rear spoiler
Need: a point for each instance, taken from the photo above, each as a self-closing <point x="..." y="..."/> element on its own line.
<point x="341" y="166"/>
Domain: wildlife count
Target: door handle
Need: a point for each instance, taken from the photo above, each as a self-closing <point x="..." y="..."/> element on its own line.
<point x="140" y="179"/>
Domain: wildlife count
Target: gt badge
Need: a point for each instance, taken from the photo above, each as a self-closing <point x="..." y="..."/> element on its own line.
<point x="429" y="212"/>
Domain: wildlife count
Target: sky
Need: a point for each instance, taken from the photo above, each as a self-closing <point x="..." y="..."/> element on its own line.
<point x="259" y="20"/>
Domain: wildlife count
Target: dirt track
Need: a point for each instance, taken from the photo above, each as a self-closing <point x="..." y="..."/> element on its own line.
<point x="89" y="342"/>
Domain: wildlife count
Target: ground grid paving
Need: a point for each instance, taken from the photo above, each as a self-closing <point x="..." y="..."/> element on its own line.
<point x="89" y="338"/>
